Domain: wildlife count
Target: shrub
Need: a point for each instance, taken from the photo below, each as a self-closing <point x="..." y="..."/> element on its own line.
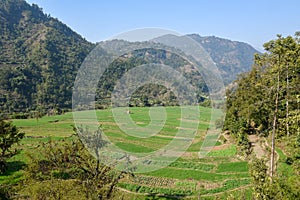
<point x="9" y="135"/>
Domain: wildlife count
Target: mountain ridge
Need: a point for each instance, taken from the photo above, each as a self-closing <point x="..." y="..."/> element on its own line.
<point x="231" y="57"/>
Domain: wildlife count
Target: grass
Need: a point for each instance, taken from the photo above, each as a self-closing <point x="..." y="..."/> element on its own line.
<point x="282" y="156"/>
<point x="182" y="174"/>
<point x="14" y="173"/>
<point x="134" y="148"/>
<point x="156" y="190"/>
<point x="59" y="126"/>
<point x="233" y="167"/>
<point x="244" y="193"/>
<point x="192" y="165"/>
<point x="283" y="167"/>
<point x="228" y="152"/>
<point x="185" y="188"/>
<point x="195" y="147"/>
<point x="186" y="185"/>
<point x="227" y="185"/>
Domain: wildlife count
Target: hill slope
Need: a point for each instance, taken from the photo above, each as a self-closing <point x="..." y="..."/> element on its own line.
<point x="231" y="57"/>
<point x="39" y="58"/>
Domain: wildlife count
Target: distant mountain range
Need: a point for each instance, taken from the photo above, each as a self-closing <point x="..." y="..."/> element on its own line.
<point x="40" y="56"/>
<point x="231" y="57"/>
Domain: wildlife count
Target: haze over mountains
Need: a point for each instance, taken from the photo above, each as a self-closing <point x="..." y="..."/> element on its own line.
<point x="40" y="56"/>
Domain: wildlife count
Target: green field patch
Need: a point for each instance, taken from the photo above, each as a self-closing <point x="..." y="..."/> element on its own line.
<point x="206" y="160"/>
<point x="233" y="167"/>
<point x="227" y="185"/>
<point x="186" y="185"/>
<point x="140" y="116"/>
<point x="169" y="172"/>
<point x="283" y="167"/>
<point x="195" y="147"/>
<point x="203" y="126"/>
<point x="241" y="193"/>
<point x="134" y="147"/>
<point x="228" y="152"/>
<point x="58" y="125"/>
<point x="282" y="156"/>
<point x="192" y="165"/>
<point x="155" y="190"/>
<point x="185" y="188"/>
<point x="154" y="181"/>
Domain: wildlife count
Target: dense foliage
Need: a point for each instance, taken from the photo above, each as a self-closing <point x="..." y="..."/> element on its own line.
<point x="251" y="101"/>
<point x="266" y="102"/>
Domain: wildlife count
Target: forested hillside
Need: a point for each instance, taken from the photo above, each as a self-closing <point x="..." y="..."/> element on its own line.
<point x="148" y="94"/>
<point x="266" y="102"/>
<point x="231" y="57"/>
<point x="39" y="58"/>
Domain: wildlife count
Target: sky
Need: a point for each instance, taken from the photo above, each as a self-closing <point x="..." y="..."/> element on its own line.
<point x="254" y="22"/>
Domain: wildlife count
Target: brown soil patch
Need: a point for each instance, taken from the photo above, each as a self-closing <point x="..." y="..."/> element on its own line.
<point x="257" y="146"/>
<point x="221" y="147"/>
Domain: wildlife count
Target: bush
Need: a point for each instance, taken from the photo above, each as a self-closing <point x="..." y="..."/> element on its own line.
<point x="65" y="169"/>
<point x="9" y="135"/>
<point x="5" y="193"/>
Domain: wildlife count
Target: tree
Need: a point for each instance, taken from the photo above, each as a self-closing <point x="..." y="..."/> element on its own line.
<point x="258" y="172"/>
<point x="9" y="135"/>
<point x="281" y="187"/>
<point x="254" y="93"/>
<point x="282" y="53"/>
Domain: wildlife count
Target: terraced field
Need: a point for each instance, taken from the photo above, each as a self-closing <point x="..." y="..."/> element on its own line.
<point x="219" y="174"/>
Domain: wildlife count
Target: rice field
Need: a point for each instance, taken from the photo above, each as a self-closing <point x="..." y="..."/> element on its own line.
<point x="220" y="172"/>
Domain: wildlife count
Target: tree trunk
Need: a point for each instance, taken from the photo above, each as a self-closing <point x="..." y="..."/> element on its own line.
<point x="287" y="101"/>
<point x="274" y="130"/>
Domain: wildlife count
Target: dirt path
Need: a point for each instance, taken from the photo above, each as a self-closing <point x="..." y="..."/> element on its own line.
<point x="257" y="146"/>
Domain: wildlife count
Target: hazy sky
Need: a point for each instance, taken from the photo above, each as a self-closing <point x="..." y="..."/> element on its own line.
<point x="251" y="21"/>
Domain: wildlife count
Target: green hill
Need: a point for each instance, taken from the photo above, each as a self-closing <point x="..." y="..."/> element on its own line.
<point x="39" y="58"/>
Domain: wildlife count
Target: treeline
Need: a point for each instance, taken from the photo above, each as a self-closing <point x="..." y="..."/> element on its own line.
<point x="266" y="102"/>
